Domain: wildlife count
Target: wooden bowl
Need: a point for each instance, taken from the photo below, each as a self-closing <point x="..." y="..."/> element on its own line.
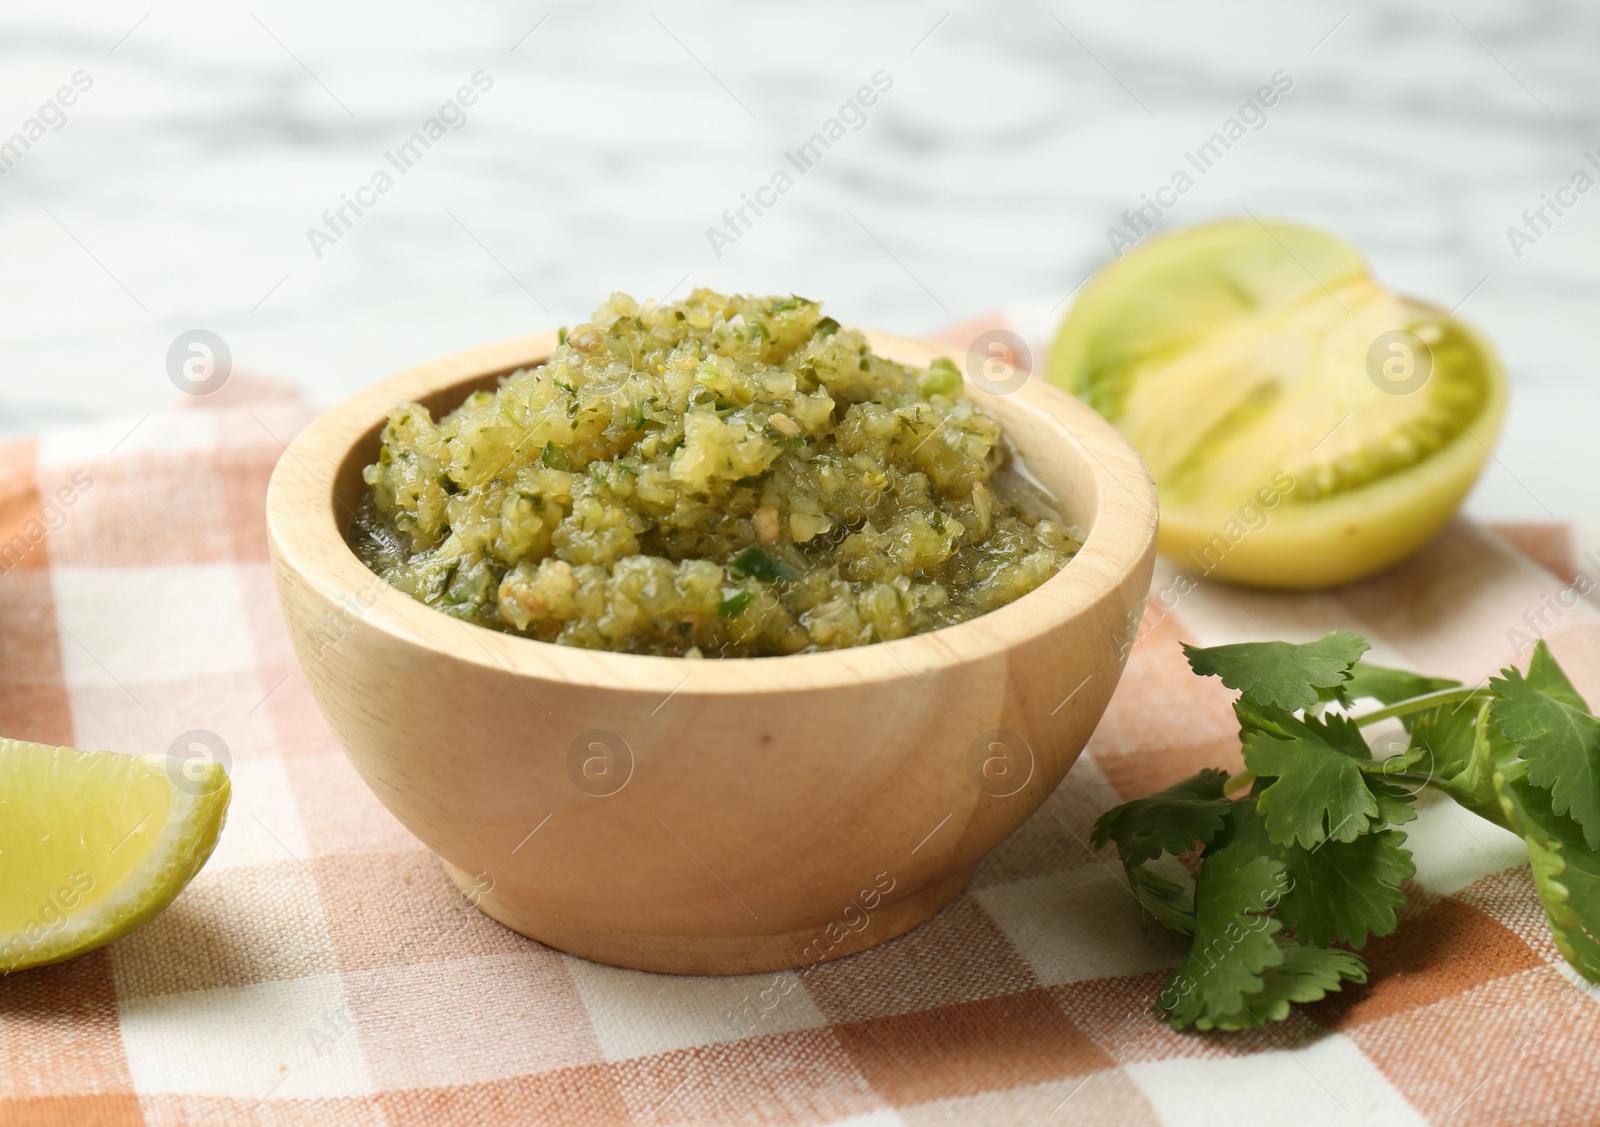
<point x="713" y="816"/>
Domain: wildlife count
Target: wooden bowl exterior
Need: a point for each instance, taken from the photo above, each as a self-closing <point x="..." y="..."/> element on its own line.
<point x="772" y="812"/>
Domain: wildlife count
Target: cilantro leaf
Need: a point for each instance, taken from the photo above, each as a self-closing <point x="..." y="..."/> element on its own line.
<point x="1317" y="789"/>
<point x="1546" y="676"/>
<point x="1285" y="674"/>
<point x="1389" y="686"/>
<point x="1566" y="872"/>
<point x="1233" y="939"/>
<point x="753" y="562"/>
<point x="1339" y="732"/>
<point x="1560" y="742"/>
<point x="1168" y="898"/>
<point x="1395" y="802"/>
<point x="1315" y="793"/>
<point x="1445" y="737"/>
<point x="1169" y="821"/>
<point x="1338" y="891"/>
<point x="1347" y="891"/>
<point x="1307" y="974"/>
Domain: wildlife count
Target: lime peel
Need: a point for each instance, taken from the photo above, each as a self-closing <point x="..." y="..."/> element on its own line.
<point x="94" y="844"/>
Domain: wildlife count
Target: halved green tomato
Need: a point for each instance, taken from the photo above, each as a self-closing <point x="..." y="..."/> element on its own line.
<point x="1305" y="426"/>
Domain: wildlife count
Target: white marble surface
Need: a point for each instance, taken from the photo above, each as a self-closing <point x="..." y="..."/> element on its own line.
<point x="178" y="193"/>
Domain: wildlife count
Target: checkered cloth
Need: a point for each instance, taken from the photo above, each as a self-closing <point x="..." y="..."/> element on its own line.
<point x="322" y="969"/>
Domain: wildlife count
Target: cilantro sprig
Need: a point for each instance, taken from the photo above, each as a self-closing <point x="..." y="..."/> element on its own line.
<point x="1297" y="861"/>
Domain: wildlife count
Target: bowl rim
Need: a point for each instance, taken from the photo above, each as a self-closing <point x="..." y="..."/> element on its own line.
<point x="305" y="541"/>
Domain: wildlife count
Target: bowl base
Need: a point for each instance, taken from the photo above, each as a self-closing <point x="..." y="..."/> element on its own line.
<point x="715" y="954"/>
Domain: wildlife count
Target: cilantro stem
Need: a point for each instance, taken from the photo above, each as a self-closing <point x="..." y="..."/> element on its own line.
<point x="1237" y="783"/>
<point x="1489" y="811"/>
<point x="1420" y="704"/>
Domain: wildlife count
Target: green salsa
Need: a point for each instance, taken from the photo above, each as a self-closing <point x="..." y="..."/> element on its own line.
<point x="721" y="476"/>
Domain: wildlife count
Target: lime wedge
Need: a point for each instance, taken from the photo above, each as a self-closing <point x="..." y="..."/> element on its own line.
<point x="94" y="844"/>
